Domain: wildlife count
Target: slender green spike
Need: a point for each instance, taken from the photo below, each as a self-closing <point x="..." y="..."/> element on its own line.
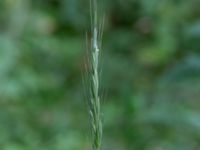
<point x="94" y="101"/>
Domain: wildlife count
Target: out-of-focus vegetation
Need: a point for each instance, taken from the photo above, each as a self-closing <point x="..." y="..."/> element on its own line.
<point x="150" y="80"/>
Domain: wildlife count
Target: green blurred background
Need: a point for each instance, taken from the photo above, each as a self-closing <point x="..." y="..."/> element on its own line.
<point x="150" y="80"/>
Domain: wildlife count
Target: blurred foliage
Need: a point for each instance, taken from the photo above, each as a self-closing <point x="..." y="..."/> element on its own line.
<point x="150" y="79"/>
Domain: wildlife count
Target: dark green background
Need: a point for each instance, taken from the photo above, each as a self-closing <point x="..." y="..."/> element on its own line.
<point x="150" y="82"/>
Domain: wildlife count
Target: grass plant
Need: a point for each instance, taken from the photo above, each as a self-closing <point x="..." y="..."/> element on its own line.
<point x="94" y="98"/>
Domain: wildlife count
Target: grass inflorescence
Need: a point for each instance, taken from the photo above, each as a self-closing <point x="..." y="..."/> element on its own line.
<point x="94" y="98"/>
